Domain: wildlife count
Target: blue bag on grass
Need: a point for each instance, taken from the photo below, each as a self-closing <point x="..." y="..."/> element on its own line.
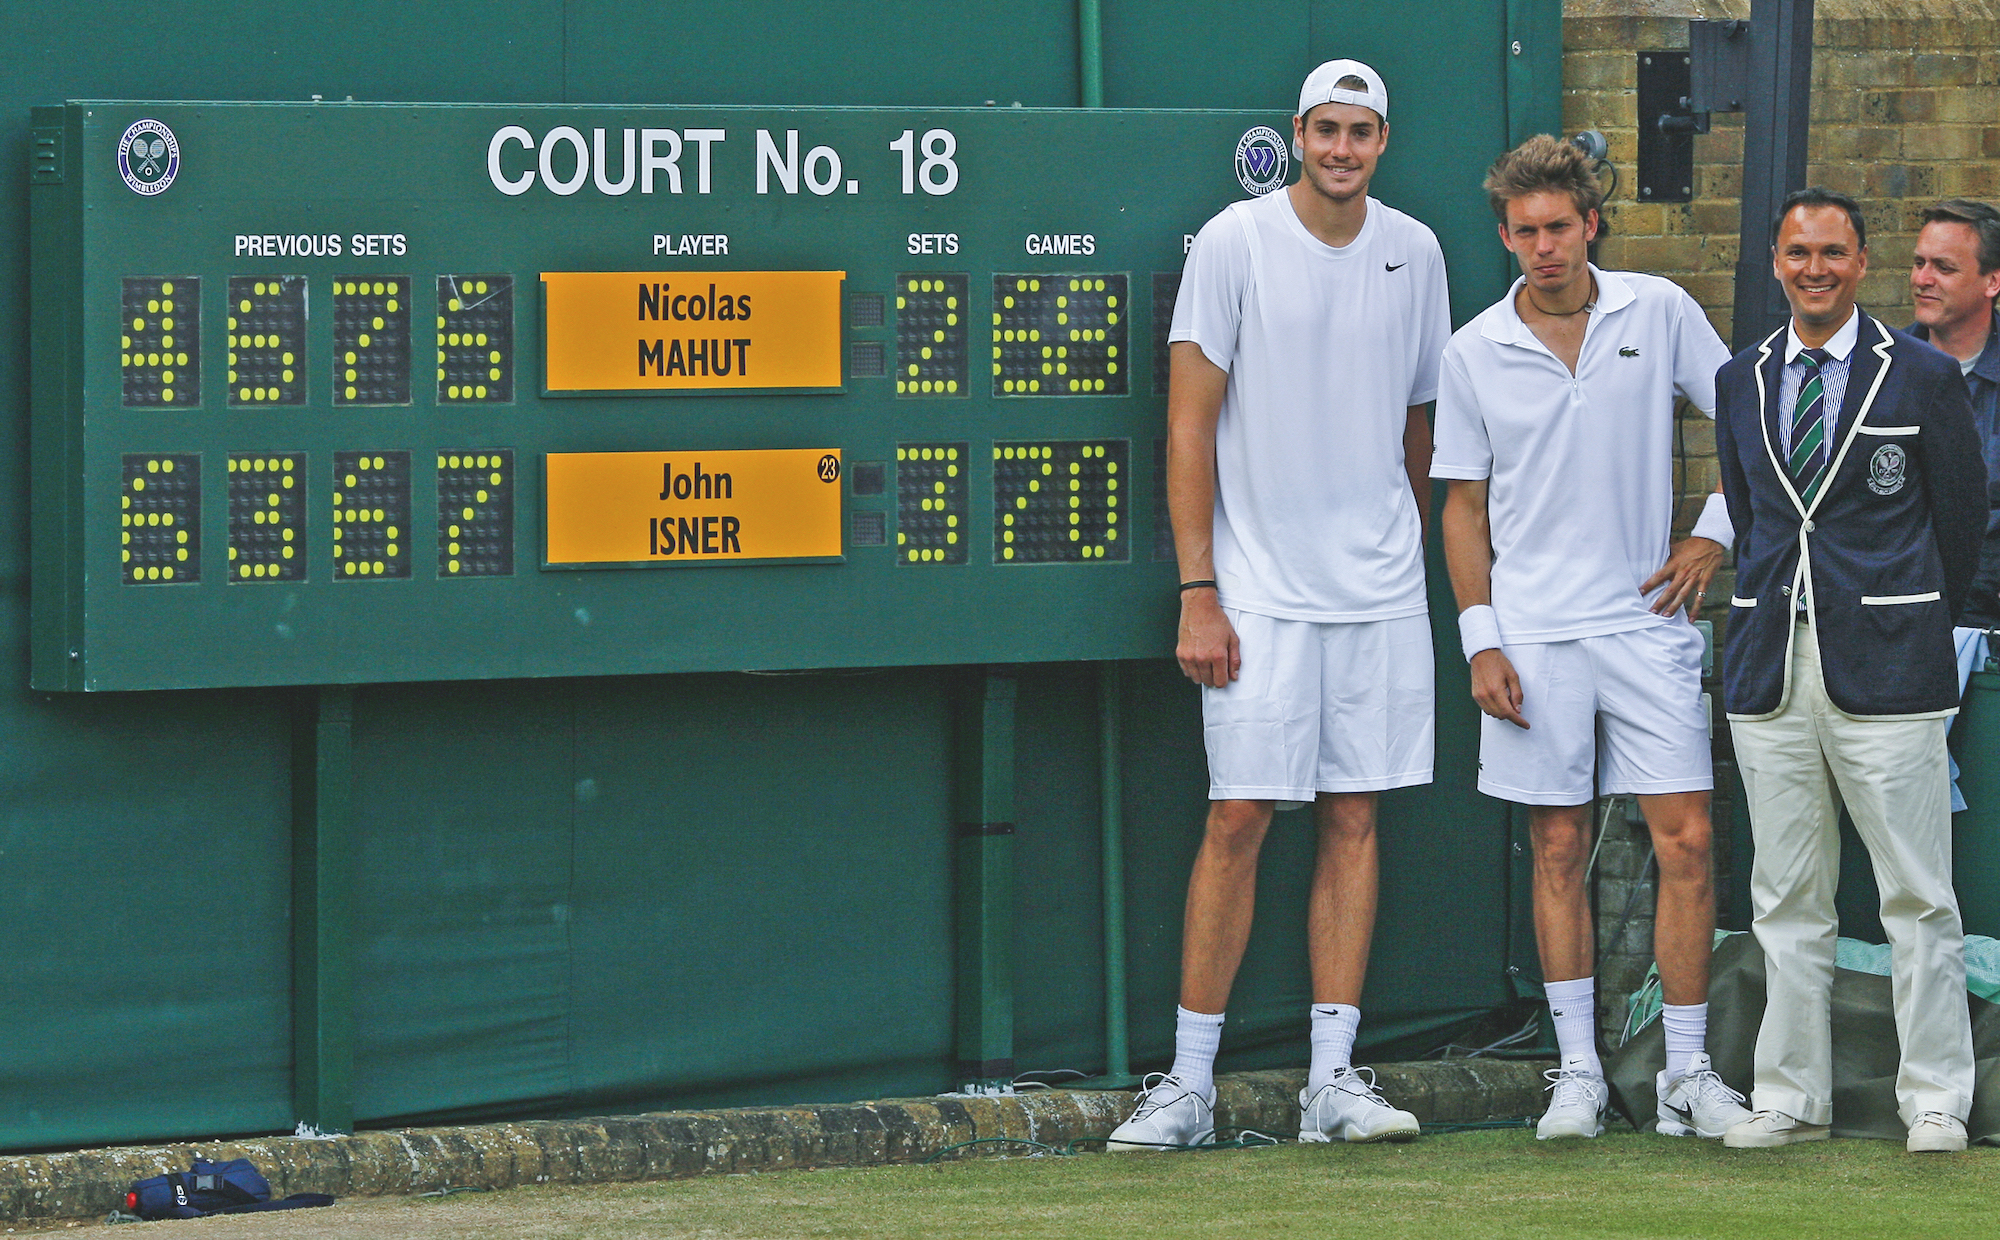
<point x="233" y="1187"/>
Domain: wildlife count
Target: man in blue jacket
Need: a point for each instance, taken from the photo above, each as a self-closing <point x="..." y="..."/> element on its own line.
<point x="1954" y="277"/>
<point x="1857" y="491"/>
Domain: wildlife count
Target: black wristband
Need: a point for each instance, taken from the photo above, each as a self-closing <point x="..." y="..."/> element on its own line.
<point x="1197" y="585"/>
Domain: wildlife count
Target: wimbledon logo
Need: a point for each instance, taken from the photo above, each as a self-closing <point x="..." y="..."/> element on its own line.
<point x="1261" y="160"/>
<point x="148" y="157"/>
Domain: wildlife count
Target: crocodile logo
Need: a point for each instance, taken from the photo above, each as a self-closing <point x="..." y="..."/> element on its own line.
<point x="1628" y="351"/>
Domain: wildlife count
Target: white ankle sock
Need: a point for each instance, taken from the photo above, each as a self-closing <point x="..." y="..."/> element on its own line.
<point x="1574" y="1006"/>
<point x="1197" y="1035"/>
<point x="1687" y="1033"/>
<point x="1333" y="1027"/>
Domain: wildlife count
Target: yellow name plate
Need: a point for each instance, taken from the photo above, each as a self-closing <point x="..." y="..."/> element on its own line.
<point x="691" y="331"/>
<point x="681" y="507"/>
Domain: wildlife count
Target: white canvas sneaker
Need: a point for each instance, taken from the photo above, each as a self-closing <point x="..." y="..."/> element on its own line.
<point x="1697" y="1103"/>
<point x="1934" y="1132"/>
<point x="1169" y="1115"/>
<point x="1348" y="1108"/>
<point x="1576" y="1108"/>
<point x="1768" y="1128"/>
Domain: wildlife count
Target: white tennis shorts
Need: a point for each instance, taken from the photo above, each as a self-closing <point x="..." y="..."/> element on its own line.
<point x="1625" y="706"/>
<point x="1321" y="708"/>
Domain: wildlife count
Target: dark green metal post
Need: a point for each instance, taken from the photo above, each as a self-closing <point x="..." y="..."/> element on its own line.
<point x="1090" y="52"/>
<point x="322" y="899"/>
<point x="1111" y="793"/>
<point x="983" y="814"/>
<point x="1534" y="69"/>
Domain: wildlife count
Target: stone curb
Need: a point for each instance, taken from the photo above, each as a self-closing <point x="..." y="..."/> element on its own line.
<point x="668" y="1145"/>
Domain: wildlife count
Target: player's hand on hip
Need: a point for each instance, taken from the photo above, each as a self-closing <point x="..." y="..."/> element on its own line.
<point x="1685" y="575"/>
<point x="1496" y="687"/>
<point x="1207" y="650"/>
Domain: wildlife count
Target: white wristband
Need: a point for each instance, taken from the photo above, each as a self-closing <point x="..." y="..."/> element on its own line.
<point x="1714" y="521"/>
<point x="1478" y="629"/>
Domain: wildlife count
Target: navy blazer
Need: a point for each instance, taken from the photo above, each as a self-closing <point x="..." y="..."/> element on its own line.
<point x="1886" y="551"/>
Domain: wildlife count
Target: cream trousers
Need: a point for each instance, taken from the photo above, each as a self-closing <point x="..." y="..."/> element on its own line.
<point x="1892" y="775"/>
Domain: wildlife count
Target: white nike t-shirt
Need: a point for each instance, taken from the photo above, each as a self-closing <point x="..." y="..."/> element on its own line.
<point x="1581" y="467"/>
<point x="1326" y="349"/>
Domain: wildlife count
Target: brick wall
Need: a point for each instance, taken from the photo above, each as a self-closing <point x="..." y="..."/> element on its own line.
<point x="1905" y="111"/>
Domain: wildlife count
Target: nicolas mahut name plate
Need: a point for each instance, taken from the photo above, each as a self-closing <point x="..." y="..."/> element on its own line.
<point x="691" y="331"/>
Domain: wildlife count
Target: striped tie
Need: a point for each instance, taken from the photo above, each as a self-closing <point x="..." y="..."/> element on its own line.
<point x="1808" y="459"/>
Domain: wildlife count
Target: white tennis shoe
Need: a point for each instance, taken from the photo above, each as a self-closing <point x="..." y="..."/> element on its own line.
<point x="1576" y="1107"/>
<point x="1934" y="1132"/>
<point x="1169" y="1115"/>
<point x="1349" y="1108"/>
<point x="1765" y="1129"/>
<point x="1697" y="1103"/>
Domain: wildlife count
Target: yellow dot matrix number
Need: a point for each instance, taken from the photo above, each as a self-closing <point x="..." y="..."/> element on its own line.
<point x="475" y="513"/>
<point x="932" y="497"/>
<point x="159" y="343"/>
<point x="1071" y="519"/>
<point x="933" y="349"/>
<point x="159" y="519"/>
<point x="475" y="319"/>
<point x="1076" y="310"/>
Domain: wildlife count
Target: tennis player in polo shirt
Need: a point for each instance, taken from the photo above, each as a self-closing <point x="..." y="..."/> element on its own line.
<point x="1305" y="345"/>
<point x="1555" y="425"/>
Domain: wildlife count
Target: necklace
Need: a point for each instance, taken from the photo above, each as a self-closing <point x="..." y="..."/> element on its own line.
<point x="1563" y="314"/>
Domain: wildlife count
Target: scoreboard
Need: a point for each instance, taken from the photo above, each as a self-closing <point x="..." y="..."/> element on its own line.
<point x="343" y="393"/>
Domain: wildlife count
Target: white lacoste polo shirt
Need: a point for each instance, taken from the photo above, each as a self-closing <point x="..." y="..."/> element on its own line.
<point x="1580" y="467"/>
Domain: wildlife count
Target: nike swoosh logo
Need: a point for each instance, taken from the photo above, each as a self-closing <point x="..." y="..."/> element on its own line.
<point x="1394" y="266"/>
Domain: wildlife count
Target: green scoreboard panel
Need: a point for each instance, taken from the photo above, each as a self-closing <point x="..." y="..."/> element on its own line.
<point x="340" y="393"/>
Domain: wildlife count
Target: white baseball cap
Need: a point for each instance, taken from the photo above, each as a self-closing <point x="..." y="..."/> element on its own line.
<point x="1320" y="88"/>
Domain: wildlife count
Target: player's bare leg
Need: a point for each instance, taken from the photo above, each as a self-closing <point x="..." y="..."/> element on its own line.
<point x="1692" y="1099"/>
<point x="1221" y="904"/>
<point x="1684" y="925"/>
<point x="1339" y="1103"/>
<point x="1340" y="913"/>
<point x="1560" y="836"/>
<point x="1565" y="936"/>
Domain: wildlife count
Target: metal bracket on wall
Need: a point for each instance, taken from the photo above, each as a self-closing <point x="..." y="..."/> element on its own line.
<point x="1678" y="92"/>
<point x="1666" y="128"/>
<point x="1718" y="67"/>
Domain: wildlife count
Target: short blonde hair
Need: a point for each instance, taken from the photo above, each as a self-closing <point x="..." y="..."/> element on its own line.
<point x="1543" y="163"/>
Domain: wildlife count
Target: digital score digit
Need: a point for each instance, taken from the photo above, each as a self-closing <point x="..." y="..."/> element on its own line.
<point x="159" y="346"/>
<point x="267" y="340"/>
<point x="1166" y="291"/>
<point x="475" y="350"/>
<point x="931" y="507"/>
<point x="267" y="517"/>
<point x="160" y="519"/>
<point x="1061" y="501"/>
<point x="932" y="334"/>
<point x="371" y="515"/>
<point x="475" y="490"/>
<point x="1060" y="334"/>
<point x="371" y="340"/>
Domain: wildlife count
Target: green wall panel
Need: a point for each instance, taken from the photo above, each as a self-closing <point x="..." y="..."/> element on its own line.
<point x="763" y="887"/>
<point x="144" y="846"/>
<point x="774" y="52"/>
<point x="1251" y="54"/>
<point x="464" y="889"/>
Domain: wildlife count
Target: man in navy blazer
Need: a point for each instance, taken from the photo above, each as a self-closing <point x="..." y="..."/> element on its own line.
<point x="1856" y="484"/>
